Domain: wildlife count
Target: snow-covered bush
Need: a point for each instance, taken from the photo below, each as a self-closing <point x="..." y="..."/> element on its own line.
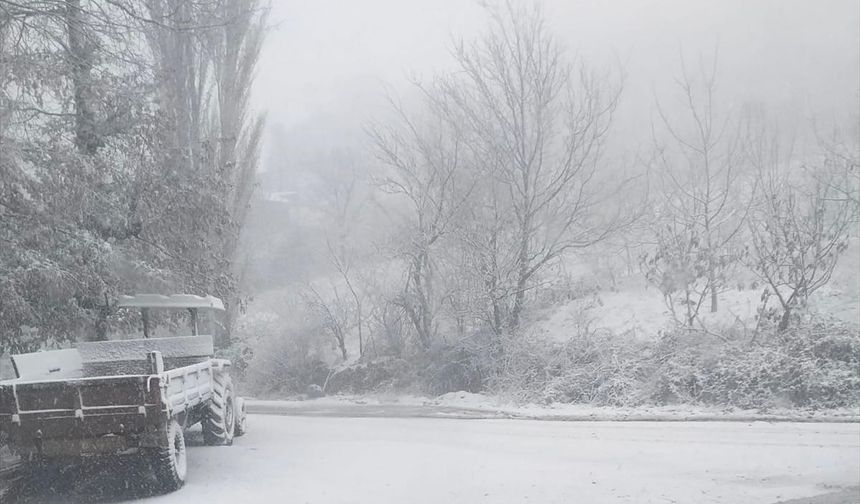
<point x="463" y="365"/>
<point x="602" y="369"/>
<point x="815" y="365"/>
<point x="595" y="367"/>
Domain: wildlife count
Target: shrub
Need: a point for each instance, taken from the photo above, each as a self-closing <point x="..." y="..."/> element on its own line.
<point x="814" y="365"/>
<point x="601" y="368"/>
<point x="460" y="366"/>
<point x="593" y="367"/>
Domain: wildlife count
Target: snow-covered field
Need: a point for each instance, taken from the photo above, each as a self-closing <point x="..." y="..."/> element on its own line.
<point x="639" y="309"/>
<point x="422" y="460"/>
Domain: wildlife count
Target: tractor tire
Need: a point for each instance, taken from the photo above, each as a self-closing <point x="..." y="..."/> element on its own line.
<point x="219" y="424"/>
<point x="170" y="464"/>
<point x="241" y="418"/>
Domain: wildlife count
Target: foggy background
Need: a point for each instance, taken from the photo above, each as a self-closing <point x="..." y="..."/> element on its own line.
<point x="326" y="249"/>
<point x="327" y="63"/>
<point x="328" y="66"/>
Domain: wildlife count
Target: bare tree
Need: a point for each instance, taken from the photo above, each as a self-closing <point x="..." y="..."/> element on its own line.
<point x="344" y="196"/>
<point x="799" y="229"/>
<point x="505" y="167"/>
<point x="703" y="207"/>
<point x="424" y="165"/>
<point x="842" y="159"/>
<point x="334" y="314"/>
<point x="536" y="128"/>
<point x="679" y="266"/>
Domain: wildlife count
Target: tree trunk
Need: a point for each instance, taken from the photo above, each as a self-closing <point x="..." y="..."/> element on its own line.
<point x="713" y="284"/>
<point x="491" y="282"/>
<point x="497" y="316"/>
<point x="785" y="320"/>
<point x="714" y="305"/>
<point x="102" y="324"/>
<point x="522" y="275"/>
<point x="419" y="309"/>
<point x="80" y="58"/>
<point x="342" y="345"/>
<point x="360" y="333"/>
<point x="102" y="314"/>
<point x="691" y="316"/>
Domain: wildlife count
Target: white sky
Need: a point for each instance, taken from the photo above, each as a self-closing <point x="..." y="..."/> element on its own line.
<point x="330" y="60"/>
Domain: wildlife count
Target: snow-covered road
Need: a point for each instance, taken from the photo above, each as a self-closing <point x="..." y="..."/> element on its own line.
<point x="430" y="460"/>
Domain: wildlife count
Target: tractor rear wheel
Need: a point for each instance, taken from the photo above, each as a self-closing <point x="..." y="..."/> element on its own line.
<point x="169" y="464"/>
<point x="219" y="423"/>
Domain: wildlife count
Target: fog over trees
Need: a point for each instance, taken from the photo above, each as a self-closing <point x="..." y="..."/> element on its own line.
<point x="489" y="222"/>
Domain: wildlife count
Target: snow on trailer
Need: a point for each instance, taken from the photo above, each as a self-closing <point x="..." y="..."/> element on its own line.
<point x="123" y="397"/>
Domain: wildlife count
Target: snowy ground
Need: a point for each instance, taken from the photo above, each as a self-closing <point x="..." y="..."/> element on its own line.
<point x="426" y="460"/>
<point x="639" y="309"/>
